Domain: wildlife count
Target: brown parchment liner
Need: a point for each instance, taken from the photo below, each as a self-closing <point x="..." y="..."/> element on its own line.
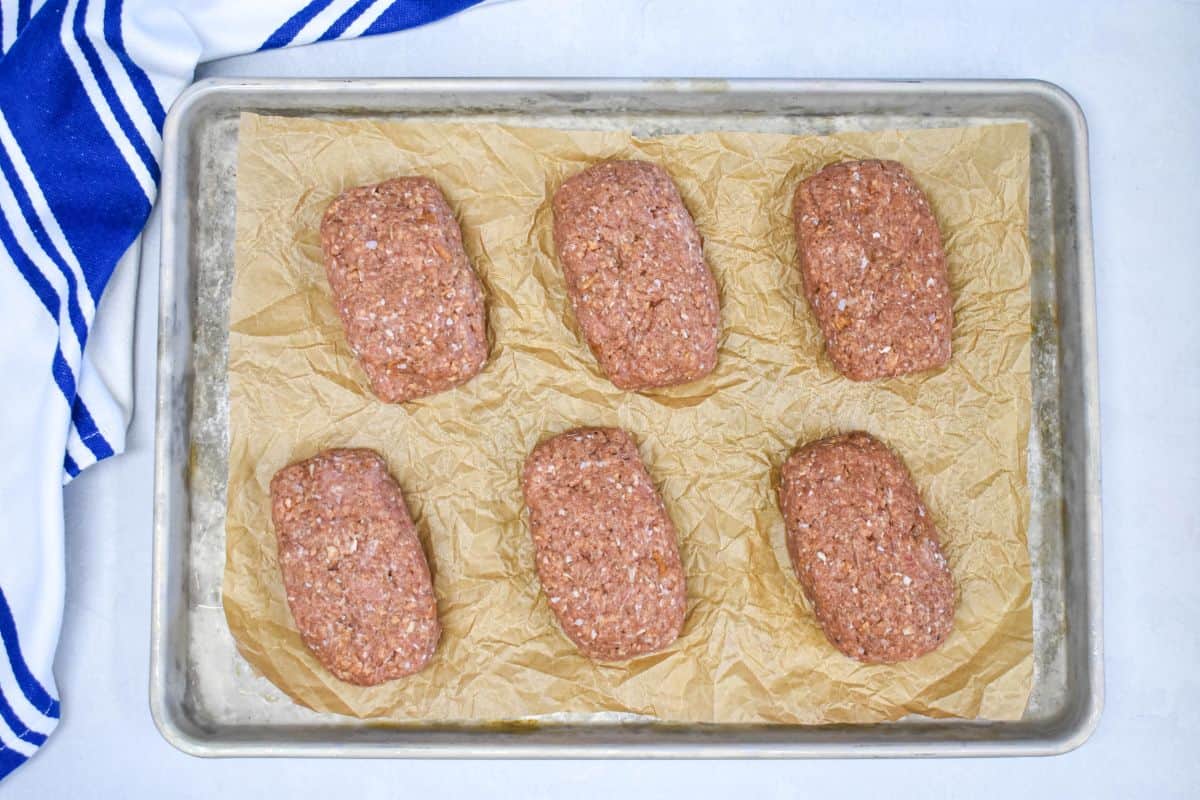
<point x="750" y="651"/>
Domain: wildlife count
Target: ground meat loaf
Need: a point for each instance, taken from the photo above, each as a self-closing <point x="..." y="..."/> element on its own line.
<point x="410" y="304"/>
<point x="356" y="578"/>
<point x="605" y="548"/>
<point x="635" y="271"/>
<point x="874" y="269"/>
<point x="865" y="549"/>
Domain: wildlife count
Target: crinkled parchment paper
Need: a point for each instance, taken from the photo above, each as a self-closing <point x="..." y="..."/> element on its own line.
<point x="750" y="651"/>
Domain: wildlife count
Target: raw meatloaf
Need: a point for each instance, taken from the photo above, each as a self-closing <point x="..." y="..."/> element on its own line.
<point x="356" y="578"/>
<point x="605" y="548"/>
<point x="865" y="550"/>
<point x="410" y="304"/>
<point x="635" y="272"/>
<point x="874" y="270"/>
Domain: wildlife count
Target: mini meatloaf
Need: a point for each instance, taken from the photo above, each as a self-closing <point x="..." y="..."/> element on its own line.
<point x="865" y="549"/>
<point x="605" y="548"/>
<point x="874" y="269"/>
<point x="635" y="271"/>
<point x="356" y="578"/>
<point x="410" y="304"/>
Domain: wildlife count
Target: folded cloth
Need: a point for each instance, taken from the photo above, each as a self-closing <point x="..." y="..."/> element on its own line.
<point x="84" y="85"/>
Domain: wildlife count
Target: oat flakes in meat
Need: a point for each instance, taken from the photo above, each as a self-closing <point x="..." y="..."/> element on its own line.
<point x="410" y="303"/>
<point x="874" y="270"/>
<point x="357" y="581"/>
<point x="635" y="272"/>
<point x="605" y="548"/>
<point x="865" y="549"/>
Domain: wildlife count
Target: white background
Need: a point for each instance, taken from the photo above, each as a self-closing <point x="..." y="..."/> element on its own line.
<point x="1134" y="67"/>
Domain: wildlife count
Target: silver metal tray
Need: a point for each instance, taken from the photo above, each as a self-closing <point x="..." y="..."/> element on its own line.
<point x="207" y="701"/>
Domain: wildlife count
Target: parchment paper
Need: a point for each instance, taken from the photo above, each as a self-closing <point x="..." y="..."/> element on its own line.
<point x="750" y="651"/>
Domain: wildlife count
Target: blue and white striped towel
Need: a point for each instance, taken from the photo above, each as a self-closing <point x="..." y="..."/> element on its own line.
<point x="83" y="89"/>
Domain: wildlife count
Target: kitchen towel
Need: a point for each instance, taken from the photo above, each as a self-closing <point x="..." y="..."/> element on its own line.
<point x="84" y="88"/>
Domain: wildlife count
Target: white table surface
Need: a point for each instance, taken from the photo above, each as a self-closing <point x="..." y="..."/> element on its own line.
<point x="1135" y="68"/>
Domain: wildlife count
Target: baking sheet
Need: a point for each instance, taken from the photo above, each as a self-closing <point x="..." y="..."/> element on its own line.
<point x="748" y="652"/>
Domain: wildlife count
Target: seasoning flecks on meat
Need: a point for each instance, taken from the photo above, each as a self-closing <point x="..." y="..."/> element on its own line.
<point x="865" y="549"/>
<point x="605" y="548"/>
<point x="874" y="269"/>
<point x="410" y="304"/>
<point x="357" y="581"/>
<point x="635" y="272"/>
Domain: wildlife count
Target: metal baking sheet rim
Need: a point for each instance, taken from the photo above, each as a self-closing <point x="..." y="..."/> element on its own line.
<point x="645" y="740"/>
